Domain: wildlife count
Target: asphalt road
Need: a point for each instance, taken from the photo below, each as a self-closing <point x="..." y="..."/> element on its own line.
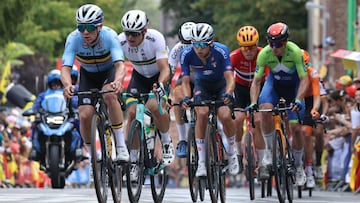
<point x="172" y="195"/>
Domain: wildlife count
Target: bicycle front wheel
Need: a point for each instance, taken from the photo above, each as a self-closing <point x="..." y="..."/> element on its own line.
<point x="99" y="158"/>
<point x="115" y="170"/>
<point x="249" y="170"/>
<point x="135" y="168"/>
<point x="279" y="167"/>
<point x="192" y="160"/>
<point x="159" y="176"/>
<point x="212" y="168"/>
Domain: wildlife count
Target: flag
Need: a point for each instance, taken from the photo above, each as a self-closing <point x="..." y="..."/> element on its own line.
<point x="5" y="80"/>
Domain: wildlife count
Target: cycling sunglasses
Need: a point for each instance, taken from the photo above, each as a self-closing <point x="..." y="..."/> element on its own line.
<point x="88" y="27"/>
<point x="276" y="44"/>
<point x="248" y="48"/>
<point x="133" y="34"/>
<point x="201" y="44"/>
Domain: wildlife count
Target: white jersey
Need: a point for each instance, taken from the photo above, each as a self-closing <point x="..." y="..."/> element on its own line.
<point x="144" y="56"/>
<point x="174" y="55"/>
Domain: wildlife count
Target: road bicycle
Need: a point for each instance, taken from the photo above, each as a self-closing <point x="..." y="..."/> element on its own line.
<point x="143" y="145"/>
<point x="249" y="152"/>
<point x="283" y="159"/>
<point x="215" y="160"/>
<point x="106" y="172"/>
<point x="196" y="186"/>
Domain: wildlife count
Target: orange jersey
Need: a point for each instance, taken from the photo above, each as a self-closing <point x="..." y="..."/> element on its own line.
<point x="314" y="87"/>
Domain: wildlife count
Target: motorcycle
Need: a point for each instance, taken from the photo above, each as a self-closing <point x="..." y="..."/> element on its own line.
<point x="55" y="139"/>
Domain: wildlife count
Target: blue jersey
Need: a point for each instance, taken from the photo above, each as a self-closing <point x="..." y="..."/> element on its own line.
<point x="216" y="64"/>
<point x="98" y="58"/>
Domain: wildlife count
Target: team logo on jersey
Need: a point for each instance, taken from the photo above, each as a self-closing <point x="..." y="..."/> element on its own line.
<point x="213" y="64"/>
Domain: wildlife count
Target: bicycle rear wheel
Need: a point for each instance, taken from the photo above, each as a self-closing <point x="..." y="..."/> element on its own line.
<point x="159" y="177"/>
<point x="211" y="159"/>
<point x="279" y="167"/>
<point x="191" y="161"/>
<point x="99" y="158"/>
<point x="135" y="168"/>
<point x="249" y="170"/>
<point x="290" y="173"/>
<point x="221" y="164"/>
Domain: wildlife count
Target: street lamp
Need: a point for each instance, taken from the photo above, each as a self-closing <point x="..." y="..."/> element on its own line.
<point x="311" y="5"/>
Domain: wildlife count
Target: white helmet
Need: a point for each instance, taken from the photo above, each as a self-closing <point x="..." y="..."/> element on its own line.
<point x="89" y="13"/>
<point x="202" y="32"/>
<point x="134" y="21"/>
<point x="185" y="32"/>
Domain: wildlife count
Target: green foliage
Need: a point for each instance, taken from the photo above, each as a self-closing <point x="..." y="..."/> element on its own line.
<point x="11" y="52"/>
<point x="228" y="16"/>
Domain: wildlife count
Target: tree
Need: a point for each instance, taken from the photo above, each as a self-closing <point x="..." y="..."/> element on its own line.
<point x="234" y="14"/>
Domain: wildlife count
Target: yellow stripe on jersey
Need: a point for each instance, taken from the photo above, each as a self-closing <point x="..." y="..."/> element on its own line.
<point x="148" y="62"/>
<point x="94" y="59"/>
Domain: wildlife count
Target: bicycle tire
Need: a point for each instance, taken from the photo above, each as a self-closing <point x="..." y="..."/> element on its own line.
<point x="115" y="170"/>
<point x="221" y="161"/>
<point x="290" y="175"/>
<point x="135" y="145"/>
<point x="202" y="187"/>
<point x="159" y="179"/>
<point x="191" y="162"/>
<point x="212" y="169"/>
<point x="269" y="186"/>
<point x="99" y="166"/>
<point x="263" y="188"/>
<point x="249" y="170"/>
<point x="279" y="168"/>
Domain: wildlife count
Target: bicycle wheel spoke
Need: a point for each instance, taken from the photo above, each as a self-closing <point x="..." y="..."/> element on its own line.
<point x="192" y="159"/>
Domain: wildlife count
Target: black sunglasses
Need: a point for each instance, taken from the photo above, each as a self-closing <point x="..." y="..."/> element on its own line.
<point x="133" y="34"/>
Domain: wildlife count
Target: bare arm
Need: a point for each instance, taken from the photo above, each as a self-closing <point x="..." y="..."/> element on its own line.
<point x="120" y="72"/>
<point x="230" y="82"/>
<point x="255" y="90"/>
<point x="66" y="81"/>
<point x="185" y="85"/>
<point x="164" y="70"/>
<point x="304" y="83"/>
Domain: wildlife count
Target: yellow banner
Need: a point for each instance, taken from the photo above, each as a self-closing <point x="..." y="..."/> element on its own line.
<point x="5" y="80"/>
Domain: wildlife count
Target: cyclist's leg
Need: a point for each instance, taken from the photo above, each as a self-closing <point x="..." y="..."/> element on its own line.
<point x="181" y="125"/>
<point x="307" y="131"/>
<point x="116" y="118"/>
<point x="162" y="122"/>
<point x="242" y="99"/>
<point x="224" y="115"/>
<point x="267" y="99"/>
<point x="200" y="128"/>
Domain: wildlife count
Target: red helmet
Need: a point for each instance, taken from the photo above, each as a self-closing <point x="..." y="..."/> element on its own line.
<point x="277" y="32"/>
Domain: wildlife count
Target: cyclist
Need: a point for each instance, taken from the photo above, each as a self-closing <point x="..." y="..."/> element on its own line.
<point x="184" y="35"/>
<point x="287" y="79"/>
<point x="98" y="51"/>
<point x="243" y="60"/>
<point x="312" y="106"/>
<point x="146" y="49"/>
<point x="214" y="77"/>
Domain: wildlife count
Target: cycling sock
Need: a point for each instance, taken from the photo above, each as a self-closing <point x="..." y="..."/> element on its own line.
<point x="231" y="149"/>
<point x="268" y="138"/>
<point x="200" y="143"/>
<point x="308" y="170"/>
<point x="298" y="156"/>
<point x="260" y="153"/>
<point x="182" y="131"/>
<point x="165" y="137"/>
<point x="119" y="136"/>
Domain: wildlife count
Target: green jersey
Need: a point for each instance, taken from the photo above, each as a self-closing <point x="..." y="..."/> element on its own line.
<point x="285" y="70"/>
